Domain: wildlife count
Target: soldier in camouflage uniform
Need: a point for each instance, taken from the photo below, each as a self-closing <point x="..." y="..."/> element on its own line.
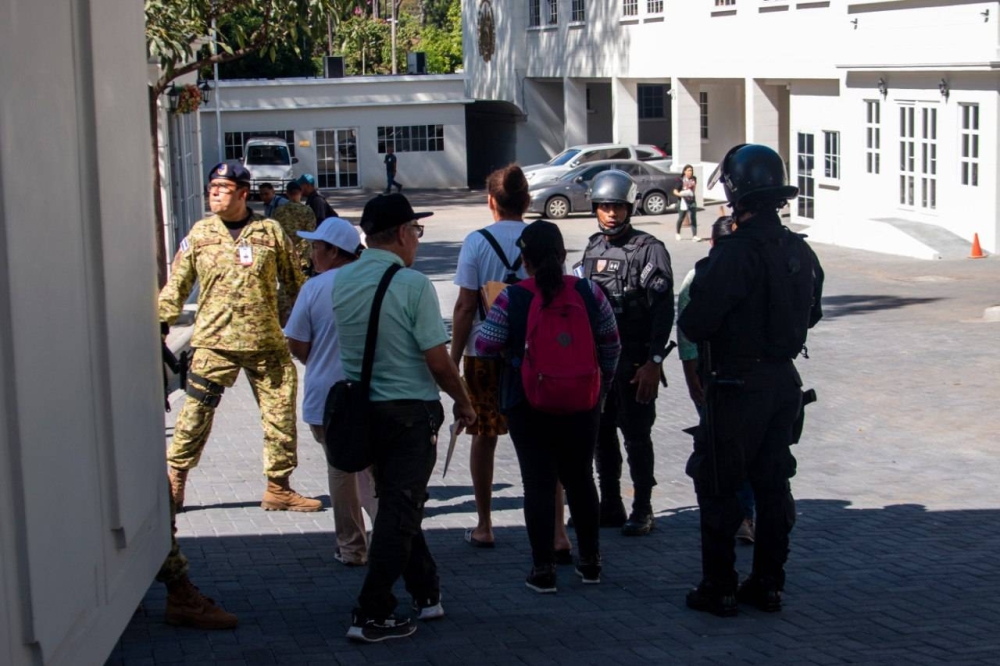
<point x="294" y="217"/>
<point x="238" y="258"/>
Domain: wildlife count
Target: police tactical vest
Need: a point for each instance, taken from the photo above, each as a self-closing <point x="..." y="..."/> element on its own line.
<point x="790" y="274"/>
<point x="616" y="272"/>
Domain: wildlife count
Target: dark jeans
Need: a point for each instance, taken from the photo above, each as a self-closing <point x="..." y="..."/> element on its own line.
<point x="753" y="432"/>
<point x="390" y="180"/>
<point x="693" y="213"/>
<point x="404" y="450"/>
<point x="621" y="411"/>
<point x="554" y="448"/>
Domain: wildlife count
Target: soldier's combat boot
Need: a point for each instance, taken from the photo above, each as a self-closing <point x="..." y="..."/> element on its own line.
<point x="612" y="510"/>
<point x="280" y="497"/>
<point x="188" y="607"/>
<point x="762" y="592"/>
<point x="713" y="598"/>
<point x="178" y="480"/>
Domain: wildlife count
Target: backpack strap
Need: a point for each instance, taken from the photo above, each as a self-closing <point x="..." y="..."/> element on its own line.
<point x="582" y="287"/>
<point x="499" y="251"/>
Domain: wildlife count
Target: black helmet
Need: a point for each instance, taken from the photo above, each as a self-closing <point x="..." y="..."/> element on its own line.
<point x="613" y="186"/>
<point x="752" y="173"/>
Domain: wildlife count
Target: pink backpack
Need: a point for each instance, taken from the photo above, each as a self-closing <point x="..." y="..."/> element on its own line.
<point x="559" y="370"/>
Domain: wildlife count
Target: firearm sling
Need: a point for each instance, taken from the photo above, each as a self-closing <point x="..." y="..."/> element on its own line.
<point x="346" y="422"/>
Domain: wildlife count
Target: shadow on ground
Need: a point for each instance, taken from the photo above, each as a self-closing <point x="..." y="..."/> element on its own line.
<point x="871" y="586"/>
<point x="855" y="304"/>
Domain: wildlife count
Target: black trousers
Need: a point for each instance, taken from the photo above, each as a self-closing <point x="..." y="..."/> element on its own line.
<point x="635" y="420"/>
<point x="404" y="443"/>
<point x="753" y="433"/>
<point x="554" y="448"/>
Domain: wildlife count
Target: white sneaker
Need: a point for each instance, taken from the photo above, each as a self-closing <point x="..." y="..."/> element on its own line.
<point x="695" y="239"/>
<point x="429" y="612"/>
<point x="677" y="237"/>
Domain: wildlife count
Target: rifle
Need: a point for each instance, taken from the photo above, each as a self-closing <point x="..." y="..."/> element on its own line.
<point x="178" y="366"/>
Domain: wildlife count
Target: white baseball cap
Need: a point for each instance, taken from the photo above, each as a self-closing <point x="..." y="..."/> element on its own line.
<point x="337" y="232"/>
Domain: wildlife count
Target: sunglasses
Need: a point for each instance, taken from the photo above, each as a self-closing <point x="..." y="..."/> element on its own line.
<point x="419" y="228"/>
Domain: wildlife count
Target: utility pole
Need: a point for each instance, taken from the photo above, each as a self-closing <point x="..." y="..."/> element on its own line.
<point x="218" y="98"/>
<point x="393" y="3"/>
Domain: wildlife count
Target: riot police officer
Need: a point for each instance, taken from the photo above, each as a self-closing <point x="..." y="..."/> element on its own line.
<point x="752" y="301"/>
<point x="633" y="269"/>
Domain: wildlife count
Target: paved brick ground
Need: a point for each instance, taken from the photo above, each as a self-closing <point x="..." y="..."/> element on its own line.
<point x="894" y="552"/>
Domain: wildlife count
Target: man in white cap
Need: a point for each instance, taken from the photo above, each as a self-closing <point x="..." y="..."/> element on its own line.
<point x="312" y="339"/>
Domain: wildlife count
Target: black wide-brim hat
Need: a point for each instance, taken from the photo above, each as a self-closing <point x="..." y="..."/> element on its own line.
<point x="387" y="211"/>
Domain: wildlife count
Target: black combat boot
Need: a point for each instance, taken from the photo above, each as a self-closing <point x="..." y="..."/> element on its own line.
<point x="612" y="508"/>
<point x="714" y="598"/>
<point x="762" y="592"/>
<point x="640" y="523"/>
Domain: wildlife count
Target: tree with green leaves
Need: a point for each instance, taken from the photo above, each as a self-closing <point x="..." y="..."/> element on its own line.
<point x="441" y="38"/>
<point x="177" y="29"/>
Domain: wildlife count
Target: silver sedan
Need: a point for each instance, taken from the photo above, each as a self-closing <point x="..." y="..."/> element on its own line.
<point x="568" y="194"/>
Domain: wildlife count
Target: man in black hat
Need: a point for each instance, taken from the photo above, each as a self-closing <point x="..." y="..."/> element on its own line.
<point x="411" y="361"/>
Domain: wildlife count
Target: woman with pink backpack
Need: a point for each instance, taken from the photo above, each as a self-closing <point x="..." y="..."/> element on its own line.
<point x="558" y="337"/>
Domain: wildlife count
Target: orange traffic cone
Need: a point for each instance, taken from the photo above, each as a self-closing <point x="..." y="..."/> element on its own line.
<point x="977" y="252"/>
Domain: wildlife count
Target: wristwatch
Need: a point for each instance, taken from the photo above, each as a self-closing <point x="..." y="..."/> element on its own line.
<point x="657" y="359"/>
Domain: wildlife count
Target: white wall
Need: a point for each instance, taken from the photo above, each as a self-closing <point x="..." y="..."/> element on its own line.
<point x="361" y="103"/>
<point x="82" y="476"/>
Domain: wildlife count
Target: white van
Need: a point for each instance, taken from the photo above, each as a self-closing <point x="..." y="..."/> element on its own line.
<point x="269" y="161"/>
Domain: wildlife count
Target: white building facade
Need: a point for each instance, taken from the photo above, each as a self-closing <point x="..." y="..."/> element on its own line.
<point x="885" y="111"/>
<point x="338" y="129"/>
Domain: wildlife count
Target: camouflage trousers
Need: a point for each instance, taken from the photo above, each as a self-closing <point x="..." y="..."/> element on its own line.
<point x="274" y="383"/>
<point x="175" y="567"/>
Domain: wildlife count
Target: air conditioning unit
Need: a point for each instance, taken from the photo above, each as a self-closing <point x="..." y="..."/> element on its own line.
<point x="333" y="67"/>
<point x="416" y="62"/>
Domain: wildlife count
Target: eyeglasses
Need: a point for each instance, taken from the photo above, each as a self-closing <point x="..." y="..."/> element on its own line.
<point x="419" y="228"/>
<point x="221" y="189"/>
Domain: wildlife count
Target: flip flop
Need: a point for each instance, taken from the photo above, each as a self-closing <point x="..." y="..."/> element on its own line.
<point x="476" y="543"/>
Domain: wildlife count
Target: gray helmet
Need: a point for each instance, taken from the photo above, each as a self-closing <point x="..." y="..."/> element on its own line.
<point x="613" y="186"/>
<point x="752" y="173"/>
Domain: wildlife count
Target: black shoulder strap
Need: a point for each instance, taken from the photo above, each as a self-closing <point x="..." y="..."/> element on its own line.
<point x="369" y="358"/>
<point x="499" y="250"/>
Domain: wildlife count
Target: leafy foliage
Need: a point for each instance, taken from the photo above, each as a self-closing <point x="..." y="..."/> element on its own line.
<point x="443" y="41"/>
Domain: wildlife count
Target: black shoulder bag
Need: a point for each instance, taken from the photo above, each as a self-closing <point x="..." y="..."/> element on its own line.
<point x="346" y="425"/>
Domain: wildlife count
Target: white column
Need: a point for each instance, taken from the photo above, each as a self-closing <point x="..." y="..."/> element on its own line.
<point x="685" y="121"/>
<point x="625" y="111"/>
<point x="762" y="105"/>
<point x="575" y="111"/>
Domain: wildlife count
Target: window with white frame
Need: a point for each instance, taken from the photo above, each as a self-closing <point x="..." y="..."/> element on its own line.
<point x="807" y="195"/>
<point x="651" y="101"/>
<point x="534" y="13"/>
<point x="654" y="6"/>
<point x="970" y="144"/>
<point x="553" y="12"/>
<point x="907" y="154"/>
<point x="703" y="113"/>
<point x="577" y="14"/>
<point x="918" y="137"/>
<point x="630" y="7"/>
<point x="724" y="3"/>
<point x="831" y="154"/>
<point x="928" y="157"/>
<point x="873" y="136"/>
<point x="411" y="138"/>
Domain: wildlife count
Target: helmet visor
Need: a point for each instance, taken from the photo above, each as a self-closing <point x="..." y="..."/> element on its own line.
<point x="716" y="176"/>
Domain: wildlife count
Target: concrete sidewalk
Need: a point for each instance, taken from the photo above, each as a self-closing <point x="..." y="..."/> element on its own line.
<point x="893" y="555"/>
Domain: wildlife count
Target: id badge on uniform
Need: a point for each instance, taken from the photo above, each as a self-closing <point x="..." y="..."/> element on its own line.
<point x="246" y="253"/>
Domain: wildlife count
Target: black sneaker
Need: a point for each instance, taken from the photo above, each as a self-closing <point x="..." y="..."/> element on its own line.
<point x="542" y="580"/>
<point x="638" y="524"/>
<point x="712" y="599"/>
<point x="371" y="630"/>
<point x="428" y="609"/>
<point x="760" y="592"/>
<point x="589" y="571"/>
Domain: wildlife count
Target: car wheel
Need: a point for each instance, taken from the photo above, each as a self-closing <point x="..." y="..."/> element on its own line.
<point x="557" y="208"/>
<point x="655" y="203"/>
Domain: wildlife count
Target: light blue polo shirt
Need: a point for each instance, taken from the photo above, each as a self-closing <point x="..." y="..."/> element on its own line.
<point x="409" y="325"/>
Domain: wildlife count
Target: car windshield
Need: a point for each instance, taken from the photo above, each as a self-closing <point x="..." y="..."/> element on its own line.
<point x="268" y="155"/>
<point x="563" y="157"/>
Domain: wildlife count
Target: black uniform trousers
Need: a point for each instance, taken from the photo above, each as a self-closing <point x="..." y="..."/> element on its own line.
<point x="621" y="411"/>
<point x="753" y="433"/>
<point x="404" y="450"/>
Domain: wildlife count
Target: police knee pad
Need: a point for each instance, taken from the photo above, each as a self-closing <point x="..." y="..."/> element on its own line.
<point x="206" y="392"/>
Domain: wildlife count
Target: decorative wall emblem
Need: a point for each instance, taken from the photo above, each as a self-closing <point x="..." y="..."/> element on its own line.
<point x="487" y="31"/>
